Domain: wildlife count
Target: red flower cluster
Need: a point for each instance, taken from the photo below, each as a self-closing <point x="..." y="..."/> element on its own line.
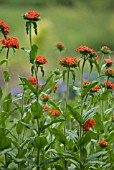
<point x="88" y="124"/>
<point x="108" y="84"/>
<point x="105" y="50"/>
<point x="60" y="46"/>
<point x="87" y="83"/>
<point x="55" y="112"/>
<point x="10" y="42"/>
<point x="32" y="80"/>
<point x="95" y="89"/>
<point x="69" y="62"/>
<point x="108" y="62"/>
<point x="55" y="88"/>
<point x="103" y="144"/>
<point x="41" y="60"/>
<point x="4" y="28"/>
<point x="46" y="108"/>
<point x="45" y="97"/>
<point x="85" y="50"/>
<point x="109" y="72"/>
<point x="32" y="15"/>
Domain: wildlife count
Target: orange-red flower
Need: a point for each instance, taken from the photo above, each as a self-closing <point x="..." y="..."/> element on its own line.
<point x="108" y="62"/>
<point x="32" y="15"/>
<point x="108" y="84"/>
<point x="60" y="46"/>
<point x="46" y="107"/>
<point x="55" y="88"/>
<point x="45" y="97"/>
<point x="40" y="60"/>
<point x="32" y="80"/>
<point x="4" y="28"/>
<point x="88" y="124"/>
<point x="105" y="50"/>
<point x="95" y="89"/>
<point x="103" y="143"/>
<point x="109" y="72"/>
<point x="87" y="83"/>
<point x="55" y="112"/>
<point x="85" y="50"/>
<point x="10" y="42"/>
<point x="69" y="62"/>
<point x="39" y="85"/>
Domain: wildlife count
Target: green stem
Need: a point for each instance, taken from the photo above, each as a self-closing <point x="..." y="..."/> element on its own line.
<point x="81" y="113"/>
<point x="19" y="163"/>
<point x="38" y="123"/>
<point x="6" y="82"/>
<point x="66" y="103"/>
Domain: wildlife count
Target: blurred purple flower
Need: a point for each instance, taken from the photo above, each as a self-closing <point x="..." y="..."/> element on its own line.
<point x="41" y="82"/>
<point x="63" y="88"/>
<point x="15" y="91"/>
<point x="60" y="81"/>
<point x="86" y="76"/>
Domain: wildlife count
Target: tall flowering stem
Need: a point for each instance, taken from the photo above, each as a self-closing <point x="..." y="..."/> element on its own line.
<point x="68" y="63"/>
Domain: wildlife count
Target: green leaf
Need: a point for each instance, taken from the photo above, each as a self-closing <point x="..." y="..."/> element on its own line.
<point x="29" y="126"/>
<point x="27" y="26"/>
<point x="73" y="75"/>
<point x="94" y="156"/>
<point x="86" y="138"/>
<point x="49" y="160"/>
<point x="35" y="27"/>
<point x="97" y="65"/>
<point x="7" y="103"/>
<point x="99" y="122"/>
<point x="40" y="142"/>
<point x="75" y="114"/>
<point x="105" y="94"/>
<point x="64" y="72"/>
<point x="59" y="135"/>
<point x="43" y="127"/>
<point x="89" y="114"/>
<point x="21" y="153"/>
<point x="5" y="142"/>
<point x="28" y="83"/>
<point x="33" y="53"/>
<point x="19" y="128"/>
<point x="54" y="105"/>
<point x="42" y="71"/>
<point x="2" y="62"/>
<point x="6" y="76"/>
<point x="85" y="90"/>
<point x="36" y="109"/>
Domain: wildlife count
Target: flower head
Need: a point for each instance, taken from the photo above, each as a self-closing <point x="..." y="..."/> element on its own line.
<point x="95" y="89"/>
<point x="4" y="28"/>
<point x="103" y="144"/>
<point x="39" y="85"/>
<point x="69" y="62"/>
<point x="32" y="80"/>
<point x="60" y="46"/>
<point x="45" y="97"/>
<point x="105" y="50"/>
<point x="46" y="107"/>
<point x="108" y="84"/>
<point x="88" y="124"/>
<point x="87" y="83"/>
<point x="32" y="16"/>
<point x="55" y="88"/>
<point x="108" y="62"/>
<point x="55" y="112"/>
<point x="109" y="72"/>
<point x="85" y="50"/>
<point x="10" y="42"/>
<point x="40" y="60"/>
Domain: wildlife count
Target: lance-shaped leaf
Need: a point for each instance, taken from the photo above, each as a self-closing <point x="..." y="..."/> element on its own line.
<point x="1" y="93"/>
<point x="59" y="135"/>
<point x="94" y="156"/>
<point x="33" y="53"/>
<point x="36" y="109"/>
<point x="7" y="103"/>
<point x="105" y="94"/>
<point x="64" y="72"/>
<point x="5" y="142"/>
<point x="28" y="83"/>
<point x="49" y="160"/>
<point x="19" y="127"/>
<point x="27" y="26"/>
<point x="75" y="114"/>
<point x="2" y="62"/>
<point x="6" y="76"/>
<point x="85" y="90"/>
<point x="35" y="27"/>
<point x="42" y="71"/>
<point x="40" y="142"/>
<point x="90" y="113"/>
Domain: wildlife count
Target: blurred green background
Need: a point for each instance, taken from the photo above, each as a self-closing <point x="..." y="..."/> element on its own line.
<point x="74" y="22"/>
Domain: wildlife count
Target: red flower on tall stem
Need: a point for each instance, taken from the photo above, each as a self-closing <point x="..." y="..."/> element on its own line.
<point x="40" y="60"/>
<point x="9" y="42"/>
<point x="4" y="28"/>
<point x="105" y="50"/>
<point x="109" y="72"/>
<point x="31" y="15"/>
<point x="60" y="46"/>
<point x="69" y="62"/>
<point x="88" y="124"/>
<point x="32" y="80"/>
<point x="108" y="84"/>
<point x="103" y="143"/>
<point x="85" y="50"/>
